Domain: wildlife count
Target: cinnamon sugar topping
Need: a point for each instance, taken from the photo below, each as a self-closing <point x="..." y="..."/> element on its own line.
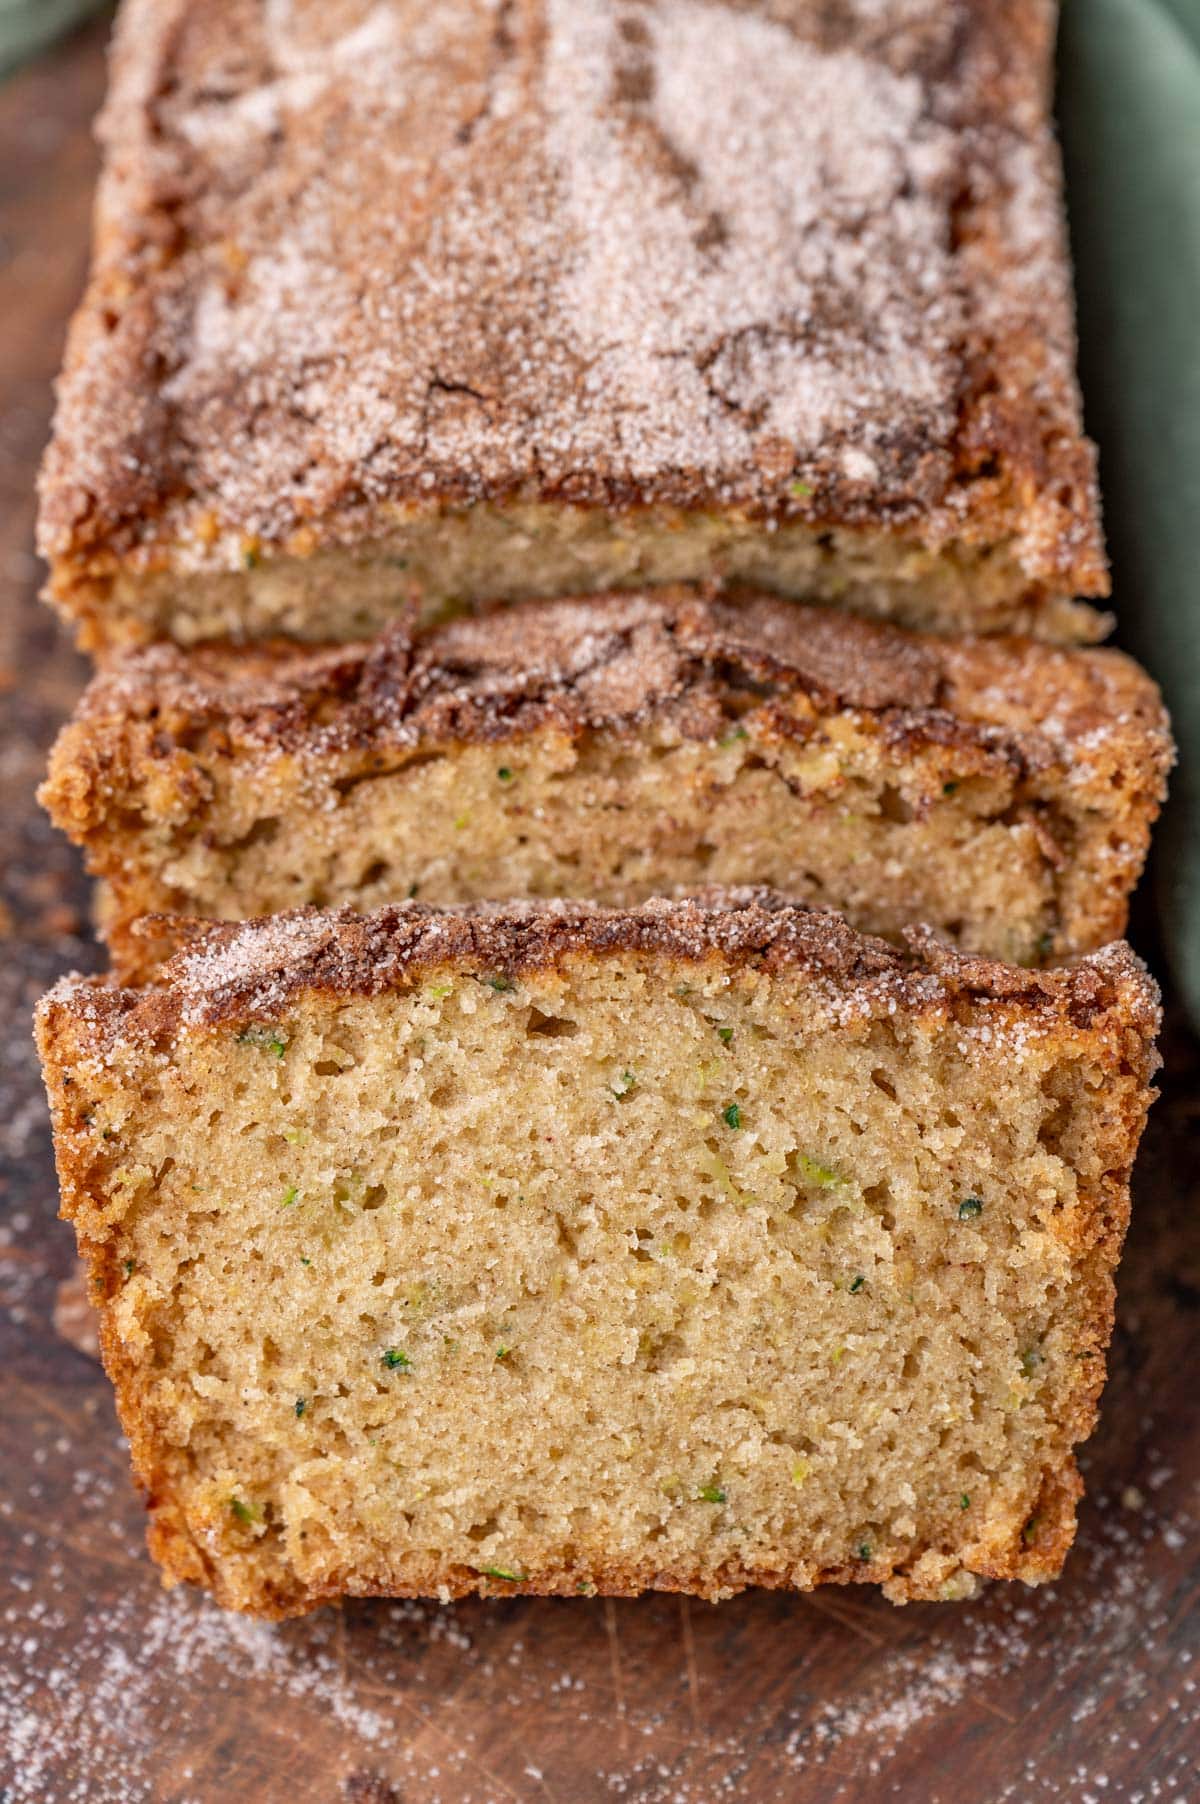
<point x="782" y="258"/>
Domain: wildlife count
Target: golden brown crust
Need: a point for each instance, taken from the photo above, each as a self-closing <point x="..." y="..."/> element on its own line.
<point x="573" y="666"/>
<point x="581" y="665"/>
<point x="234" y="973"/>
<point x="780" y="261"/>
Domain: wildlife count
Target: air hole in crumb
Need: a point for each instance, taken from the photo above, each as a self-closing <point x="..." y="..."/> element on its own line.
<point x="262" y="833"/>
<point x="879" y="1198"/>
<point x="882" y="1082"/>
<point x="893" y="807"/>
<point x="659" y="1350"/>
<point x="798" y="1443"/>
<point x="344" y="786"/>
<point x="552" y="1027"/>
<point x="1055" y="1126"/>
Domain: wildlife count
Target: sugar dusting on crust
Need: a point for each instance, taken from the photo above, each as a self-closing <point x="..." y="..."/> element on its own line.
<point x="616" y="662"/>
<point x="784" y="258"/>
<point x="754" y="272"/>
<point x="235" y="972"/>
<point x="578" y="664"/>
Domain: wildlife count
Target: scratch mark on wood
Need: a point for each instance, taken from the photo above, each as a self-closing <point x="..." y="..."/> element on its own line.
<point x="689" y="1655"/>
<point x="995" y="1710"/>
<point x="614" y="1656"/>
<point x="538" y="1779"/>
<point x="881" y="1618"/>
<point x="341" y="1643"/>
<point x="464" y="1755"/>
<point x="845" y="1621"/>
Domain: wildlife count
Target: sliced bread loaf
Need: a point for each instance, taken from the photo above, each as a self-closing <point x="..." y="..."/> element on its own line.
<point x="560" y="1249"/>
<point x="618" y="748"/>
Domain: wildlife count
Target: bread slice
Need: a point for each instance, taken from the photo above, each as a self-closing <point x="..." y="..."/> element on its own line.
<point x="558" y="1249"/>
<point x="399" y="306"/>
<point x="621" y="748"/>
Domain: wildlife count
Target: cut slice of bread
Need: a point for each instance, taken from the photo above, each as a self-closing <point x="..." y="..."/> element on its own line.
<point x="556" y="1249"/>
<point x="619" y="748"/>
<point x="408" y="307"/>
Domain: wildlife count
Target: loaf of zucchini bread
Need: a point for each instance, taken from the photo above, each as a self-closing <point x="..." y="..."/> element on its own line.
<point x="404" y="306"/>
<point x="556" y="1249"/>
<point x="618" y="748"/>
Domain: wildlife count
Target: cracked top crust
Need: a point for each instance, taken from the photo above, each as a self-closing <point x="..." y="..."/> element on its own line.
<point x="616" y="661"/>
<point x="785" y="258"/>
<point x="259" y="969"/>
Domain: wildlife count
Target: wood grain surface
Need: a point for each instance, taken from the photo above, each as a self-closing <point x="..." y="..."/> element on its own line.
<point x="112" y="1689"/>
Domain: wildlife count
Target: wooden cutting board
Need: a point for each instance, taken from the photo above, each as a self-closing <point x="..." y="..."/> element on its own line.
<point x="112" y="1689"/>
